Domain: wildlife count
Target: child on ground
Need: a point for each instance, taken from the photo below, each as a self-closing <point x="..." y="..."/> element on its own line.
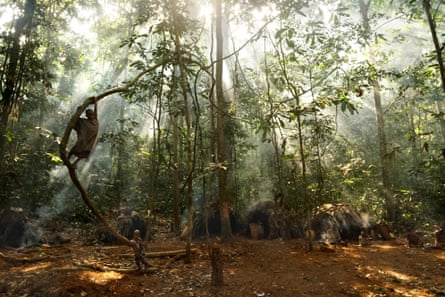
<point x="138" y="247"/>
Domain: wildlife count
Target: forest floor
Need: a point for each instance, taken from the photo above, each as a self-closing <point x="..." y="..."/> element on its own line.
<point x="251" y="268"/>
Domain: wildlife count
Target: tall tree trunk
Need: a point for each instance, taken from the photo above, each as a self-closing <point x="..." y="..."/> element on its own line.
<point x="275" y="139"/>
<point x="120" y="175"/>
<point x="318" y="153"/>
<point x="11" y="77"/>
<point x="385" y="161"/>
<point x="437" y="45"/>
<point x="176" y="180"/>
<point x="439" y="57"/>
<point x="189" y="144"/>
<point x="384" y="156"/>
<point x="157" y="156"/>
<point x="414" y="148"/>
<point x="223" y="149"/>
<point x="120" y="69"/>
<point x="301" y="146"/>
<point x="441" y="112"/>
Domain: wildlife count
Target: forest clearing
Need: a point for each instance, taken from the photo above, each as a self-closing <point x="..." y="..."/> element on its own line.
<point x="254" y="268"/>
<point x="287" y="147"/>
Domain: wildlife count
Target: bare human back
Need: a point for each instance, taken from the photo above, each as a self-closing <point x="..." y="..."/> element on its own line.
<point x="87" y="130"/>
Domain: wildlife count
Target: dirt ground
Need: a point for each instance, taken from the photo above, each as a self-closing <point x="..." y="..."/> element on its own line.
<point x="251" y="268"/>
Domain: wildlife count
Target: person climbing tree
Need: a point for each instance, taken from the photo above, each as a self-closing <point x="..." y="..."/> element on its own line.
<point x="87" y="129"/>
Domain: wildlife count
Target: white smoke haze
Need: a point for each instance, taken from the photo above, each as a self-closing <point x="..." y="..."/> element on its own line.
<point x="367" y="220"/>
<point x="255" y="163"/>
<point x="91" y="83"/>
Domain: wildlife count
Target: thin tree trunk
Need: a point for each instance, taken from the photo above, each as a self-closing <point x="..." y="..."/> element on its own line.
<point x="320" y="177"/>
<point x="439" y="57"/>
<point x="301" y="147"/>
<point x="157" y="154"/>
<point x="437" y="45"/>
<point x="384" y="156"/>
<point x="176" y="186"/>
<point x="274" y="136"/>
<point x="413" y="138"/>
<point x="119" y="178"/>
<point x="120" y="67"/>
<point x="221" y="141"/>
<point x="391" y="206"/>
<point x="189" y="148"/>
<point x="440" y="111"/>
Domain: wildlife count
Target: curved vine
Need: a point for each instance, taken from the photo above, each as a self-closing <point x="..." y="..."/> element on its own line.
<point x="72" y="170"/>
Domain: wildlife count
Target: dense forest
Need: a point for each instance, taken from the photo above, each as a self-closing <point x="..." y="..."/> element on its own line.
<point x="227" y="103"/>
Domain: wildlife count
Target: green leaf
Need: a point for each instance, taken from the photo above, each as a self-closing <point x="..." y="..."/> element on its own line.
<point x="54" y="158"/>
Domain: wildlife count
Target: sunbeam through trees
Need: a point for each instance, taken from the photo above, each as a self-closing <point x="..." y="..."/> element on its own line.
<point x="223" y="123"/>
